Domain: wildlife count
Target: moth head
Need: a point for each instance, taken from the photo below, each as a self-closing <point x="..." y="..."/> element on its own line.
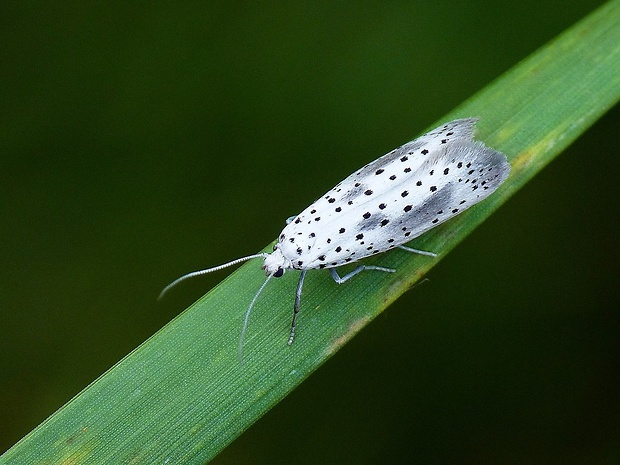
<point x="275" y="264"/>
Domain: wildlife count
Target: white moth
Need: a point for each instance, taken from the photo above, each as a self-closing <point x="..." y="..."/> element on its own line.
<point x="383" y="205"/>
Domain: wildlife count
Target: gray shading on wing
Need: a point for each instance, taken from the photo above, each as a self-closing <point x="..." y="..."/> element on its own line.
<point x="463" y="175"/>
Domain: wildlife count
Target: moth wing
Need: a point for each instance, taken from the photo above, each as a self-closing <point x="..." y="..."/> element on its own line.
<point x="349" y="191"/>
<point x="396" y="198"/>
<point x="473" y="172"/>
<point x="418" y="150"/>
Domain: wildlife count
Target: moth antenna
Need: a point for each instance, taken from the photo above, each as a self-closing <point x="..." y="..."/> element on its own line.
<point x="208" y="270"/>
<point x="247" y="318"/>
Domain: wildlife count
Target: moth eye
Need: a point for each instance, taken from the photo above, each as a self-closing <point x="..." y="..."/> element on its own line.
<point x="279" y="273"/>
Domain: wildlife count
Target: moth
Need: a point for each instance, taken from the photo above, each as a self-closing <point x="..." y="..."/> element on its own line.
<point x="382" y="206"/>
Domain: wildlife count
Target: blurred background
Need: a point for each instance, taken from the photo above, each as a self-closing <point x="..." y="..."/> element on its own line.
<point x="143" y="140"/>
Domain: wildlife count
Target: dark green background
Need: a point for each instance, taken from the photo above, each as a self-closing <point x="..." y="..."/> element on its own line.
<point x="142" y="140"/>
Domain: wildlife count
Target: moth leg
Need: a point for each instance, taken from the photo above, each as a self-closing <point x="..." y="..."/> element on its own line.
<point x="300" y="285"/>
<point x="359" y="269"/>
<point x="421" y="252"/>
<point x="338" y="280"/>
